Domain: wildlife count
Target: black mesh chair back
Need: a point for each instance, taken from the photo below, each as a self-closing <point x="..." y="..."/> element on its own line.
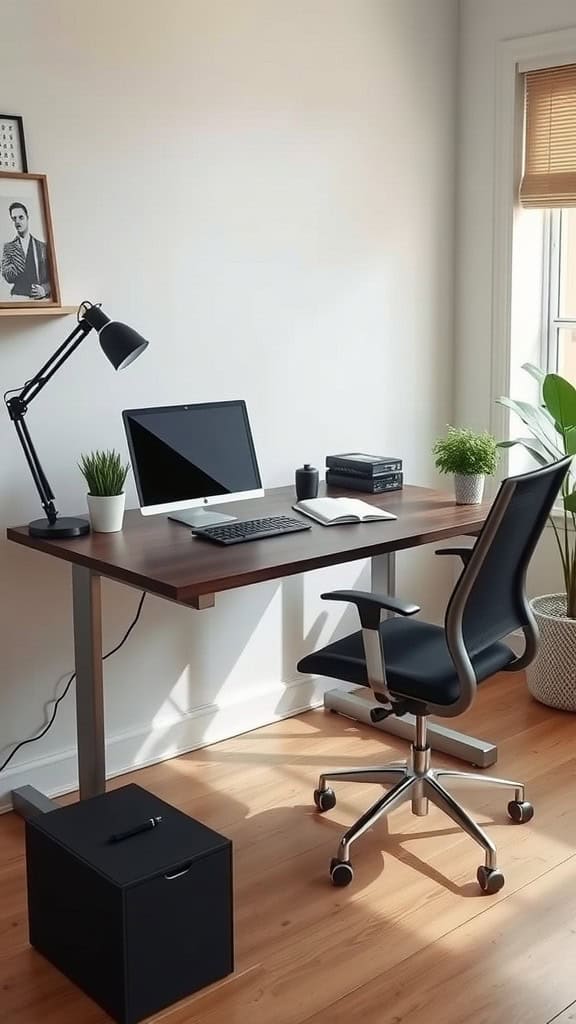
<point x="489" y="601"/>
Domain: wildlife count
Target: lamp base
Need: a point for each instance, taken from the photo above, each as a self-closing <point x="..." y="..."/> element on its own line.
<point x="67" y="526"/>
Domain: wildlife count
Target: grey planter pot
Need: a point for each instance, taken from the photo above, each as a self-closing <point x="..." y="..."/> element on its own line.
<point x="468" y="489"/>
<point x="552" y="675"/>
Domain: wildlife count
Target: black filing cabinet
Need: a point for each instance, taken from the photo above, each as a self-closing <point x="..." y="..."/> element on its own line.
<point x="137" y="924"/>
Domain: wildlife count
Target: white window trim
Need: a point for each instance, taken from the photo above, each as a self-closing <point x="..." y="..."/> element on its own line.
<point x="551" y="321"/>
<point x="549" y="281"/>
<point x="541" y="62"/>
<point x="549" y="348"/>
<point x="513" y="57"/>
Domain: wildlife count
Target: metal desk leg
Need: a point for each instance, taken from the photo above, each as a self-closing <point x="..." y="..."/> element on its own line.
<point x="28" y="801"/>
<point x="89" y="682"/>
<point x="477" y="752"/>
<point x="383" y="574"/>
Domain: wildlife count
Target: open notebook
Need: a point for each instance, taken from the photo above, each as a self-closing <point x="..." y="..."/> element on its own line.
<point x="335" y="511"/>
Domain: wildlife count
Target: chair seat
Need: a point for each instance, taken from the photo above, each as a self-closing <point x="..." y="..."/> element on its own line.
<point x="418" y="662"/>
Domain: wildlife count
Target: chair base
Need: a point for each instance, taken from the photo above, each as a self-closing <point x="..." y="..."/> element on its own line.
<point x="417" y="781"/>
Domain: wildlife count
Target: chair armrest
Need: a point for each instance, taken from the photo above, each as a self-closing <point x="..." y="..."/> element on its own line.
<point x="371" y="605"/>
<point x="464" y="553"/>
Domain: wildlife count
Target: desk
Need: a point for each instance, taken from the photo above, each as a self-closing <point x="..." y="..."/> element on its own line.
<point x="160" y="556"/>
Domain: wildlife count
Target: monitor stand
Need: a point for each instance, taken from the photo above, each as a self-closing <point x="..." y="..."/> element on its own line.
<point x="199" y="517"/>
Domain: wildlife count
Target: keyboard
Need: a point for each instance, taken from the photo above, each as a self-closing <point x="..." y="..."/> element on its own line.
<point x="251" y="529"/>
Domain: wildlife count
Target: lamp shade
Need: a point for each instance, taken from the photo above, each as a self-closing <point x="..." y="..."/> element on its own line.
<point x="120" y="344"/>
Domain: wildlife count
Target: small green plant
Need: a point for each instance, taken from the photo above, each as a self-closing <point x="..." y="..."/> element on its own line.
<point x="103" y="472"/>
<point x="466" y="453"/>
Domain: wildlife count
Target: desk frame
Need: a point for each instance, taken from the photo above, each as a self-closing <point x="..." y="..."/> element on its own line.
<point x="87" y="616"/>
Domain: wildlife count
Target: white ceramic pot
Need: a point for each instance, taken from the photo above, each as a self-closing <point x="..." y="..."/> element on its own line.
<point x="552" y="675"/>
<point x="468" y="490"/>
<point x="106" y="513"/>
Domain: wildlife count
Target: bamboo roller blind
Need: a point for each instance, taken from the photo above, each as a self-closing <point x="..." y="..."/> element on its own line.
<point x="550" y="142"/>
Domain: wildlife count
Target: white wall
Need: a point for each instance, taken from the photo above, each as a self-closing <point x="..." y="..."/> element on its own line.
<point x="483" y="27"/>
<point x="266" y="191"/>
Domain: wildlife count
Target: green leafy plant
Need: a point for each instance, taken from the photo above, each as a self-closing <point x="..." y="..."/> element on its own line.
<point x="552" y="423"/>
<point x="466" y="453"/>
<point x="103" y="472"/>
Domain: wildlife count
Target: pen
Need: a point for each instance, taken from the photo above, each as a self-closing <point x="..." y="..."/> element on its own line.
<point x="144" y="827"/>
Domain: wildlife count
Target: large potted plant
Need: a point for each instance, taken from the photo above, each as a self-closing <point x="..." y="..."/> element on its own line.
<point x="105" y="476"/>
<point x="470" y="457"/>
<point x="552" y="424"/>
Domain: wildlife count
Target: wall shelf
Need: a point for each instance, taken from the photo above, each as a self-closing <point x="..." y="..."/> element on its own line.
<point x="38" y="311"/>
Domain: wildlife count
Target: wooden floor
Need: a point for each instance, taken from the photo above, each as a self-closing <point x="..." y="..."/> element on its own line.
<point x="411" y="941"/>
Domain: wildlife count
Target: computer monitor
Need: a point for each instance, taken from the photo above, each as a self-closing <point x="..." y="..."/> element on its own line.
<point x="190" y="456"/>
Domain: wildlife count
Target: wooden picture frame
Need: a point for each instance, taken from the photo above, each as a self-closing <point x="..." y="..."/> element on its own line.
<point x="12" y="144"/>
<point x="28" y="272"/>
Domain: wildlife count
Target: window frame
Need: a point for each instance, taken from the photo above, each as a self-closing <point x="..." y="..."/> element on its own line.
<point x="513" y="57"/>
<point x="552" y="322"/>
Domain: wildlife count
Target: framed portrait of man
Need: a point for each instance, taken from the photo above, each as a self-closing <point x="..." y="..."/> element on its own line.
<point x="28" y="274"/>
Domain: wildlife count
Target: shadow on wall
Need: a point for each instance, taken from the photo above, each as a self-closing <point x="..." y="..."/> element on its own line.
<point x="219" y="650"/>
<point x="35" y="636"/>
<point x="183" y="679"/>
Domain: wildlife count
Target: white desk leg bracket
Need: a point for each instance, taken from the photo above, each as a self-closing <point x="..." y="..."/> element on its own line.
<point x="479" y="753"/>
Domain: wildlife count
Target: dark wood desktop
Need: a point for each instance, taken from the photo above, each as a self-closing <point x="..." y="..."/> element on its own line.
<point x="156" y="554"/>
<point x="160" y="556"/>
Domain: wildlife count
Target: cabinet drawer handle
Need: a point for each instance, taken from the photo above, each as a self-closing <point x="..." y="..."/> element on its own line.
<point x="178" y="874"/>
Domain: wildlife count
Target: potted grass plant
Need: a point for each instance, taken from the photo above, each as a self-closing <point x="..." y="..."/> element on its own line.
<point x="552" y="426"/>
<point x="470" y="457"/>
<point x="105" y="476"/>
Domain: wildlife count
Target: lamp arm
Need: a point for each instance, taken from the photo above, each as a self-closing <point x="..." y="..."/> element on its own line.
<point x="18" y="406"/>
<point x="38" y="474"/>
<point x="50" y="367"/>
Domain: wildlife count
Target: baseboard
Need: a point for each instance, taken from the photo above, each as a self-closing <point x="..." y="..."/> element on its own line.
<point x="58" y="773"/>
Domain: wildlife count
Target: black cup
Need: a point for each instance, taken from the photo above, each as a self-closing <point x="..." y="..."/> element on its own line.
<point x="306" y="482"/>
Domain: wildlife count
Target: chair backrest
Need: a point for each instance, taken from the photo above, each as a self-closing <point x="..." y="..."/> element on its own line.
<point x="489" y="600"/>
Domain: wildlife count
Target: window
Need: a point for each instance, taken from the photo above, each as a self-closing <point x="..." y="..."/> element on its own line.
<point x="549" y="186"/>
<point x="559" y="313"/>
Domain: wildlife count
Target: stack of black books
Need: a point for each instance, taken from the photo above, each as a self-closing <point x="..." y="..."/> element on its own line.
<point x="359" y="472"/>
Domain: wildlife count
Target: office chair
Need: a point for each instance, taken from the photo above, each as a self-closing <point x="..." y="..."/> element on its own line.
<point x="413" y="666"/>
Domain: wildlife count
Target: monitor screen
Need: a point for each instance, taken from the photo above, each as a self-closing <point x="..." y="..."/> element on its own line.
<point x="186" y="455"/>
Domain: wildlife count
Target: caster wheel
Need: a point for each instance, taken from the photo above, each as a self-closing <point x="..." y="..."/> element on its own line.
<point x="490" y="880"/>
<point x="520" y="811"/>
<point x="325" y="799"/>
<point x="341" y="872"/>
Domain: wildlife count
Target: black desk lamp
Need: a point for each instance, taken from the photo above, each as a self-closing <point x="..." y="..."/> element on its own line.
<point x="121" y="344"/>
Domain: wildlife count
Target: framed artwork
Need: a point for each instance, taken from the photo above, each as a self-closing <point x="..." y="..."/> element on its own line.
<point x="12" y="146"/>
<point x="28" y="274"/>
